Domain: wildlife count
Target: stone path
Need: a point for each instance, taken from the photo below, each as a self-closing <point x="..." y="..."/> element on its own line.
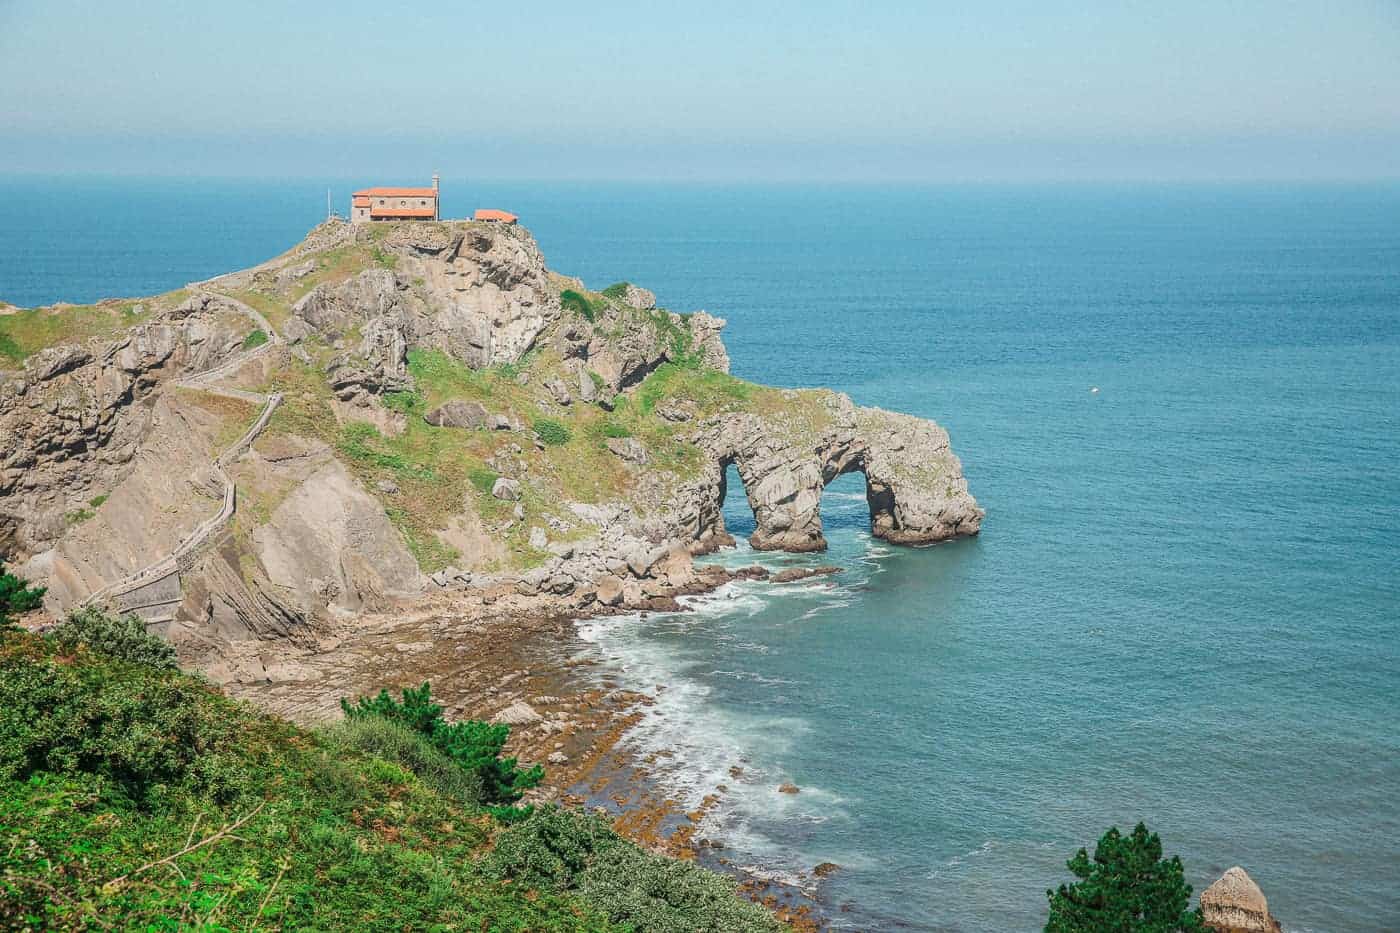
<point x="153" y="592"/>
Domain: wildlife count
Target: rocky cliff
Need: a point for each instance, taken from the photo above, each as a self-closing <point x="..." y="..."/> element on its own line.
<point x="390" y="409"/>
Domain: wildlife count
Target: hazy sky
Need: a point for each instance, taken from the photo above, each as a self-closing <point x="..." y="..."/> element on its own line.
<point x="816" y="89"/>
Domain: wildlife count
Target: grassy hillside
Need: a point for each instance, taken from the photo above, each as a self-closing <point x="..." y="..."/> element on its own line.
<point x="135" y="797"/>
<point x="26" y="332"/>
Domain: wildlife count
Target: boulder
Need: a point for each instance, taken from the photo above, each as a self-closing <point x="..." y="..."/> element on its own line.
<point x="1234" y="904"/>
<point x="787" y="787"/>
<point x="629" y="449"/>
<point x="559" y="391"/>
<point x="678" y="410"/>
<point x="637" y="297"/>
<point x="457" y="414"/>
<point x="587" y="389"/>
<point x="505" y="489"/>
<point x="609" y="590"/>
<point x="793" y="574"/>
<point x="518" y="713"/>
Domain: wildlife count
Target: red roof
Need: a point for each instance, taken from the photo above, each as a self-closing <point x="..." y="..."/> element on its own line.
<point x="390" y="210"/>
<point x="360" y="201"/>
<point x="487" y="213"/>
<point x="396" y="193"/>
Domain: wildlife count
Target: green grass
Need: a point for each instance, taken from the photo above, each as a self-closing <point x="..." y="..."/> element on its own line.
<point x="552" y="432"/>
<point x="711" y="389"/>
<point x="336" y="831"/>
<point x="615" y="291"/>
<point x="482" y="479"/>
<point x="134" y="797"/>
<point x="573" y="301"/>
<point x="254" y="339"/>
<point x="9" y="349"/>
<point x="24" y="333"/>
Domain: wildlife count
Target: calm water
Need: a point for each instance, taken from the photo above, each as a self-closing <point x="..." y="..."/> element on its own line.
<point x="1185" y="605"/>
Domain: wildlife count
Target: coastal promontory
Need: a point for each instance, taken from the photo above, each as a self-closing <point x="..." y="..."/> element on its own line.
<point x="390" y="410"/>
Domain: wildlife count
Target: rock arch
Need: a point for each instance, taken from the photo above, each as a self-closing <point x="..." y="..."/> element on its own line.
<point x="914" y="485"/>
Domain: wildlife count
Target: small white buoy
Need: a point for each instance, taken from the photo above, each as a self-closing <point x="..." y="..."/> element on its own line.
<point x="1094" y="390"/>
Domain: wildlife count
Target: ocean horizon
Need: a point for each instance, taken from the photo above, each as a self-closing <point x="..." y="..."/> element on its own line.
<point x="1180" y="406"/>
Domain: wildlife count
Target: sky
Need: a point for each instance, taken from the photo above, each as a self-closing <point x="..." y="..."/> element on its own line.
<point x="816" y="90"/>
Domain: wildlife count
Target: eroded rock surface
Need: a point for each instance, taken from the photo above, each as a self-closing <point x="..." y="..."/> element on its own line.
<point x="914" y="483"/>
<point x="1234" y="904"/>
<point x="73" y="418"/>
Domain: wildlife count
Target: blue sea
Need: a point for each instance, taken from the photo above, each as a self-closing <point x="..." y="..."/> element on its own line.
<point x="1184" y="607"/>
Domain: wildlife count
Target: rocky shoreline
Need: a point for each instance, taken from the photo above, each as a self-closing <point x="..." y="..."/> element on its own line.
<point x="515" y="658"/>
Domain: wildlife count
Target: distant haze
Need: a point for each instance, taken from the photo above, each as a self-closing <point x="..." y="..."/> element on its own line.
<point x="764" y="91"/>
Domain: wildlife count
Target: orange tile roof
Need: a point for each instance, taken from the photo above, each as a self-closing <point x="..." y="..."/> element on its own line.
<point x="396" y="193"/>
<point x="487" y="213"/>
<point x="390" y="210"/>
<point x="360" y="201"/>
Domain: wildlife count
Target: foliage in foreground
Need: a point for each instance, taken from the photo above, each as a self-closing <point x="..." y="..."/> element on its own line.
<point x="138" y="798"/>
<point x="562" y="850"/>
<point x="475" y="746"/>
<point x="16" y="597"/>
<point x="1127" y="888"/>
<point x="123" y="637"/>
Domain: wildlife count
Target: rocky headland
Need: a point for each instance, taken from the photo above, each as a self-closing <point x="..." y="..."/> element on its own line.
<point x="386" y="412"/>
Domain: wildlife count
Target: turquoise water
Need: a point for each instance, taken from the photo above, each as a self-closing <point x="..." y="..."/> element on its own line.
<point x="1185" y="604"/>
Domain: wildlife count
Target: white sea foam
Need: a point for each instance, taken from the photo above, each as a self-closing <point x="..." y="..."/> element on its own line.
<point x="705" y="738"/>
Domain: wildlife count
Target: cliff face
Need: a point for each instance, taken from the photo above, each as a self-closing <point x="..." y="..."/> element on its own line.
<point x="74" y="417"/>
<point x="429" y="407"/>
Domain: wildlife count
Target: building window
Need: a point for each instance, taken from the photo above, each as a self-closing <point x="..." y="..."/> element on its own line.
<point x="381" y="202"/>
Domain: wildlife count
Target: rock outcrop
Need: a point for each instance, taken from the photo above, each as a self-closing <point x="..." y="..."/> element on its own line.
<point x="73" y="419"/>
<point x="325" y="516"/>
<point x="913" y="481"/>
<point x="1234" y="904"/>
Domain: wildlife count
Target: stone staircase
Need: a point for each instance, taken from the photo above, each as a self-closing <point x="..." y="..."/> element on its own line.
<point x="154" y="592"/>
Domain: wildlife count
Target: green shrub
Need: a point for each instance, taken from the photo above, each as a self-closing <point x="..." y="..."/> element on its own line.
<point x="404" y="402"/>
<point x="16" y="596"/>
<point x="122" y="637"/>
<point x="255" y="339"/>
<point x="1127" y="888"/>
<point x="615" y="291"/>
<point x="397" y="742"/>
<point x="614" y="429"/>
<point x="573" y="301"/>
<point x="554" y="433"/>
<point x="483" y="479"/>
<point x="475" y="746"/>
<point x="150" y="733"/>
<point x="554" y="849"/>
